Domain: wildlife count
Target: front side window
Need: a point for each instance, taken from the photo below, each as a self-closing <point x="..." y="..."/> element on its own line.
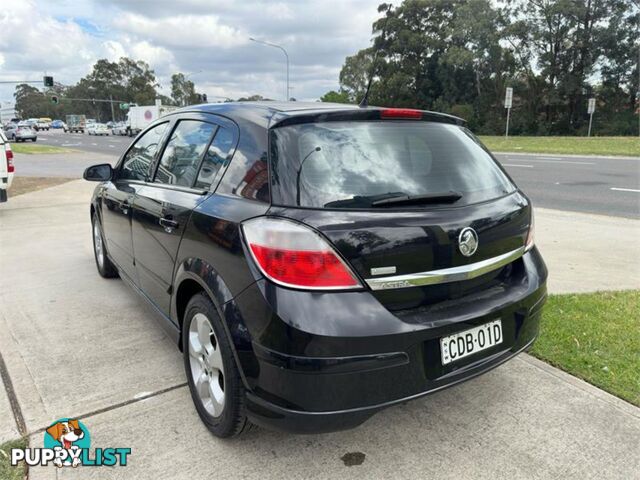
<point x="137" y="160"/>
<point x="215" y="158"/>
<point x="181" y="158"/>
<point x="364" y="163"/>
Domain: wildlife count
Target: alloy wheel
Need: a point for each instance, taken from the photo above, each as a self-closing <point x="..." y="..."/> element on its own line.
<point x="97" y="244"/>
<point x="207" y="369"/>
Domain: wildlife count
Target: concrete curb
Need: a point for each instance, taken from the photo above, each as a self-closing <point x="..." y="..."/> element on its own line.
<point x="575" y="382"/>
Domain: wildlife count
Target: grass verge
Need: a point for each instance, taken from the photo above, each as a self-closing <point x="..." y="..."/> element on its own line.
<point x="606" y="146"/>
<point x="35" y="148"/>
<point x="596" y="337"/>
<point x="8" y="472"/>
<point x="22" y="185"/>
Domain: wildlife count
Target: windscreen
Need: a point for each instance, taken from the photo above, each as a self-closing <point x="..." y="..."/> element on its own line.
<point x="358" y="164"/>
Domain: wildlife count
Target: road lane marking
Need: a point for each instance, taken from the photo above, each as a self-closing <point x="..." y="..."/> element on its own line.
<point x="514" y="165"/>
<point x="535" y="160"/>
<point x="565" y="161"/>
<point x="625" y="189"/>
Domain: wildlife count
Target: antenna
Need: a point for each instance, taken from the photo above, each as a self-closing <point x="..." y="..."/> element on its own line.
<point x="365" y="100"/>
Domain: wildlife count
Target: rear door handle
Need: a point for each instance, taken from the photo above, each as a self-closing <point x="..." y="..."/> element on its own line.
<point x="168" y="224"/>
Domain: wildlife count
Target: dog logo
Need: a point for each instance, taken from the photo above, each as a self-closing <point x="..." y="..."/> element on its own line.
<point x="70" y="435"/>
<point x="67" y="443"/>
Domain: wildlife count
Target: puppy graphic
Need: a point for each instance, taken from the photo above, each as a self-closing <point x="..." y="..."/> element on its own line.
<point x="66" y="433"/>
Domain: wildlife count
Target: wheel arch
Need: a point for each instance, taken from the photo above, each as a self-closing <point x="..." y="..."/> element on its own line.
<point x="195" y="276"/>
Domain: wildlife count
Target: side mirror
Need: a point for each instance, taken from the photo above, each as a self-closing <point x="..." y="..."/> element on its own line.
<point x="98" y="173"/>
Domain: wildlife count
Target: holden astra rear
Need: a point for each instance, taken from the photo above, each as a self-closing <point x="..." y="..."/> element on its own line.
<point x="343" y="260"/>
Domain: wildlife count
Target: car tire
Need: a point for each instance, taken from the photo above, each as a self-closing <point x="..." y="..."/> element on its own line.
<point x="221" y="405"/>
<point x="106" y="268"/>
<point x="33" y="139"/>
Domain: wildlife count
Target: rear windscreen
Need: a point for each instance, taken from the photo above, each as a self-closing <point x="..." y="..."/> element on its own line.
<point x="356" y="164"/>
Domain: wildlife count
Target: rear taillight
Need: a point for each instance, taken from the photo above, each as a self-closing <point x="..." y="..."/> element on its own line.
<point x="294" y="255"/>
<point x="409" y="113"/>
<point x="9" y="153"/>
<point x="530" y="236"/>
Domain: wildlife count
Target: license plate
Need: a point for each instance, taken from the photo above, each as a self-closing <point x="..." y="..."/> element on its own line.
<point x="461" y="345"/>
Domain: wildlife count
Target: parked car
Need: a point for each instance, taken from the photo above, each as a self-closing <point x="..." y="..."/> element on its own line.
<point x="22" y="132"/>
<point x="7" y="167"/>
<point x="119" y="128"/>
<point x="97" y="129"/>
<point x="57" y="124"/>
<point x="319" y="262"/>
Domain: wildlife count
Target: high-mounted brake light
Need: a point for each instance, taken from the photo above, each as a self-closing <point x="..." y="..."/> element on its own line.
<point x="530" y="236"/>
<point x="389" y="113"/>
<point x="9" y="154"/>
<point x="293" y="255"/>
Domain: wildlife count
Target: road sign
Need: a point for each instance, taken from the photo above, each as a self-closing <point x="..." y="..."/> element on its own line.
<point x="508" y="98"/>
<point x="591" y="107"/>
<point x="124" y="106"/>
<point x="48" y="81"/>
<point x="55" y="100"/>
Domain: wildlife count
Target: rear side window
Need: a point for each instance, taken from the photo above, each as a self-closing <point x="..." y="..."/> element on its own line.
<point x="215" y="157"/>
<point x="181" y="157"/>
<point x="353" y="164"/>
<point x="137" y="160"/>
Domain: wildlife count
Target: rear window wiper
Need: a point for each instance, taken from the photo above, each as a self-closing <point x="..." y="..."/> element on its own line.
<point x="444" y="197"/>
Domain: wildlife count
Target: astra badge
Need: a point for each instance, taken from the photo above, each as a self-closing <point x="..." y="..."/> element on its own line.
<point x="468" y="241"/>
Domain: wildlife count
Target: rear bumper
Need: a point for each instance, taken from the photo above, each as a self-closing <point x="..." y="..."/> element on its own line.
<point x="276" y="417"/>
<point x="328" y="361"/>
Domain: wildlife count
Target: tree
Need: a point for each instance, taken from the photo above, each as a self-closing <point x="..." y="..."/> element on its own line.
<point x="336" y="97"/>
<point x="127" y="80"/>
<point x="458" y="56"/>
<point x="183" y="91"/>
<point x="30" y="102"/>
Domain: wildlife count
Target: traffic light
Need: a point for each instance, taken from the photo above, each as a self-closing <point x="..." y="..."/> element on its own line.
<point x="55" y="100"/>
<point x="204" y="98"/>
<point x="48" y="81"/>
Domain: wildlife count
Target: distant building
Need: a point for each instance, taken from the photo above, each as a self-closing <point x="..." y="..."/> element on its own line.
<point x="7" y="111"/>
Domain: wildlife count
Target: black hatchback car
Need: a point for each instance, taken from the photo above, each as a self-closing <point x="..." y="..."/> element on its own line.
<point x="317" y="262"/>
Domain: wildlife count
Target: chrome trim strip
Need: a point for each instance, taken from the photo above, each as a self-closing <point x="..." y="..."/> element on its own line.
<point x="445" y="275"/>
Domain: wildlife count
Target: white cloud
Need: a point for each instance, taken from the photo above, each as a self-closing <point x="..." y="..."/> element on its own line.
<point x="181" y="30"/>
<point x="66" y="37"/>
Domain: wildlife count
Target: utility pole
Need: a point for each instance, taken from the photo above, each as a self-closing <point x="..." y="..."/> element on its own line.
<point x="286" y="55"/>
<point x="508" y="102"/>
<point x="113" y="115"/>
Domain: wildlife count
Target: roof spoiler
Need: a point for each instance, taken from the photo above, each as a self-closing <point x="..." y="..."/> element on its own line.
<point x="363" y="114"/>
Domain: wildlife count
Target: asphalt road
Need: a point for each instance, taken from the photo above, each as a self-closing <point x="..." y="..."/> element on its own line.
<point x="602" y="185"/>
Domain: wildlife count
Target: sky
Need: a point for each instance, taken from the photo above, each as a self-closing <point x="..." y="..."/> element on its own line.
<point x="207" y="38"/>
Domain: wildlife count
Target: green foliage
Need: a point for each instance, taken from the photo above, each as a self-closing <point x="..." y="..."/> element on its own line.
<point x="595" y="337"/>
<point x="126" y="80"/>
<point x="458" y="56"/>
<point x="7" y="471"/>
<point x="624" y="146"/>
<point x="183" y="91"/>
<point x="336" y="97"/>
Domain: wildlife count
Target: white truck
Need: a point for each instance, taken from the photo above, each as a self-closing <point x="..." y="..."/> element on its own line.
<point x="139" y="117"/>
<point x="6" y="166"/>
